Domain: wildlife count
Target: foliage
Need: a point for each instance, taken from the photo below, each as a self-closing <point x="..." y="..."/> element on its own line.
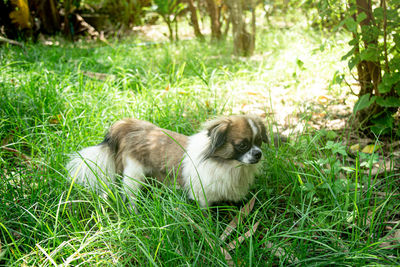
<point x="20" y="15"/>
<point x="123" y="12"/>
<point x="169" y="10"/>
<point x="322" y="14"/>
<point x="378" y="41"/>
<point x="325" y="13"/>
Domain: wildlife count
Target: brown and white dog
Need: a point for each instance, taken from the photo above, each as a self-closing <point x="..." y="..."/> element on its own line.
<point x="217" y="164"/>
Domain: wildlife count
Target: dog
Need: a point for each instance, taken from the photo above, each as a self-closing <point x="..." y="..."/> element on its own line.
<point x="218" y="163"/>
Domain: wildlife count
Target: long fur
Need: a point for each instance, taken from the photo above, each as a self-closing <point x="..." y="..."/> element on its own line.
<point x="211" y="180"/>
<point x="204" y="171"/>
<point x="91" y="166"/>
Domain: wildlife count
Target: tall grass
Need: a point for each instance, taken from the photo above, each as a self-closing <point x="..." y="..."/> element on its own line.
<point x="313" y="206"/>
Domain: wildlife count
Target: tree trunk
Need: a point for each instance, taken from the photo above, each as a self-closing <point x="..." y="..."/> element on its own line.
<point x="369" y="72"/>
<point x="215" y="23"/>
<point x="48" y="14"/>
<point x="194" y="20"/>
<point x="68" y="25"/>
<point x="253" y="26"/>
<point x="372" y="70"/>
<point x="243" y="41"/>
<point x="170" y="29"/>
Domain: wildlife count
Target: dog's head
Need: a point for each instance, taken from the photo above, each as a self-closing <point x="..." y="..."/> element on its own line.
<point x="236" y="138"/>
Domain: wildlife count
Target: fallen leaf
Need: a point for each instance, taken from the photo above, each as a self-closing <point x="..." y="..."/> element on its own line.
<point x="19" y="154"/>
<point x="98" y="75"/>
<point x="280" y="252"/>
<point x="393" y="222"/>
<point x="55" y="119"/>
<point x="233" y="244"/>
<point x="227" y="256"/>
<point x="397" y="236"/>
<point x="253" y="93"/>
<point x="322" y="100"/>
<point x="369" y="149"/>
<point x="244" y="211"/>
<point x="355" y="148"/>
<point x="6" y="140"/>
<point x="385" y="245"/>
<point x="319" y="115"/>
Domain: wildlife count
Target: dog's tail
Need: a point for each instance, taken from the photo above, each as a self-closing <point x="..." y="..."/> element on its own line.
<point x="93" y="167"/>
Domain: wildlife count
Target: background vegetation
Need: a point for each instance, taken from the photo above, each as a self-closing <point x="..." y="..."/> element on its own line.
<point x="328" y="195"/>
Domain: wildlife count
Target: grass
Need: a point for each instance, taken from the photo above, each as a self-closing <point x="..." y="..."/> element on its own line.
<point x="315" y="202"/>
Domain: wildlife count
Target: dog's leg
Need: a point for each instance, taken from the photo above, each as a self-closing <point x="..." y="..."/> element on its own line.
<point x="133" y="177"/>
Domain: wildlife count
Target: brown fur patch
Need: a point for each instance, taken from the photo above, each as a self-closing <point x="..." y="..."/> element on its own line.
<point x="235" y="129"/>
<point x="157" y="149"/>
<point x="162" y="151"/>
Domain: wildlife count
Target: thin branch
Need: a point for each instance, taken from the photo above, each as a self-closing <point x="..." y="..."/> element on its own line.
<point x="9" y="41"/>
<point x="349" y="85"/>
<point x="19" y="154"/>
<point x="385" y="36"/>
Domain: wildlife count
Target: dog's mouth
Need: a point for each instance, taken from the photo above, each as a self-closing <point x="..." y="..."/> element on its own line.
<point x="242" y="161"/>
<point x="250" y="162"/>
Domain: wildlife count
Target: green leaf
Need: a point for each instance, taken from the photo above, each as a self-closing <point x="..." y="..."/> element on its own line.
<point x="363" y="102"/>
<point x="396" y="39"/>
<point x="388" y="81"/>
<point x="369" y="54"/>
<point x="300" y="63"/>
<point x="370" y="33"/>
<point x="331" y="135"/>
<point x="353" y="42"/>
<point x="349" y="54"/>
<point x="361" y="17"/>
<point x="378" y="13"/>
<point x="383" y="88"/>
<point x="354" y="61"/>
<point x="397" y="88"/>
<point x="383" y="123"/>
<point x="337" y="78"/>
<point x="393" y="15"/>
<point x="351" y="24"/>
<point x="388" y="102"/>
<point x="336" y="148"/>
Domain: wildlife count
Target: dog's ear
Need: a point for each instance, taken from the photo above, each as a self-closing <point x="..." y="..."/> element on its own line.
<point x="217" y="131"/>
<point x="261" y="125"/>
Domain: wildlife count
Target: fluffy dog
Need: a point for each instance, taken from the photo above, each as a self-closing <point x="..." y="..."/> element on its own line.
<point x="217" y="164"/>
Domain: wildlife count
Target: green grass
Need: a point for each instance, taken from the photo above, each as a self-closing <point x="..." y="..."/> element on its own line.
<point x="313" y="206"/>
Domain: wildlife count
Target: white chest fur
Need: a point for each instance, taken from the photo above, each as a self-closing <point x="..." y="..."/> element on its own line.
<point x="210" y="180"/>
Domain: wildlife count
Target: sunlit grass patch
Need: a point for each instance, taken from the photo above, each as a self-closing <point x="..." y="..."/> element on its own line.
<point x="316" y="203"/>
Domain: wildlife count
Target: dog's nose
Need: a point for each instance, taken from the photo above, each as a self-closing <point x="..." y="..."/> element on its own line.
<point x="257" y="154"/>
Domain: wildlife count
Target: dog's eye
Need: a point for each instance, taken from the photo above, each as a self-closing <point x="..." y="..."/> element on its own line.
<point x="243" y="146"/>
